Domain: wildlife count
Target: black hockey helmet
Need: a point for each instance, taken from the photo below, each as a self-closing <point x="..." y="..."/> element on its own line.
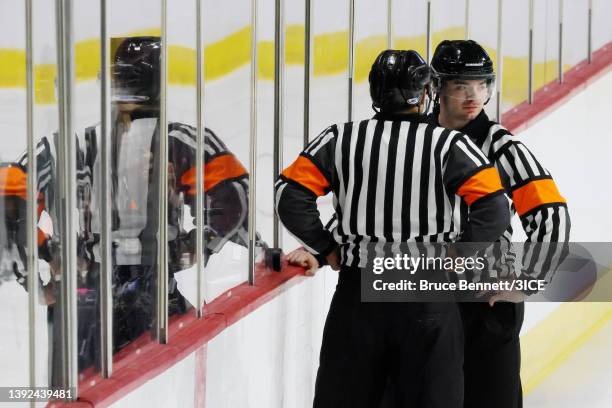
<point x="136" y="70"/>
<point x="398" y="79"/>
<point x="461" y="59"/>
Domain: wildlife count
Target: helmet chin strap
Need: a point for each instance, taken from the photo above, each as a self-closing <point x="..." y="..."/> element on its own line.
<point x="426" y="106"/>
<point x="426" y="94"/>
<point x="429" y="98"/>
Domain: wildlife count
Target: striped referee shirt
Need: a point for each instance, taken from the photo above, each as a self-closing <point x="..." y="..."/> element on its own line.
<point x="394" y="178"/>
<point x="534" y="197"/>
<point x="135" y="169"/>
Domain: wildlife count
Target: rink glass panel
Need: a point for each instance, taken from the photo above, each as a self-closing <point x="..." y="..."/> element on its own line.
<point x="602" y="29"/>
<point x="575" y="30"/>
<point x="448" y="21"/>
<point x="46" y="124"/>
<point x="546" y="42"/>
<point x="483" y="29"/>
<point x="409" y="21"/>
<point x="226" y="104"/>
<point x="86" y="114"/>
<point x="135" y="164"/>
<point x="265" y="119"/>
<point x="293" y="93"/>
<point x="370" y="40"/>
<point x="227" y="85"/>
<point x="181" y="100"/>
<point x="13" y="151"/>
<point x="330" y="25"/>
<point x="515" y="26"/>
<point x="329" y="84"/>
<point x="13" y="295"/>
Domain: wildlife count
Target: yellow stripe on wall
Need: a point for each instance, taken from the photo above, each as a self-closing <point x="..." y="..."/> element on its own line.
<point x="44" y="83"/>
<point x="232" y="52"/>
<point x="12" y="68"/>
<point x="515" y="76"/>
<point x="366" y="52"/>
<point x="87" y="57"/>
<point x="331" y="54"/>
<point x="226" y="55"/>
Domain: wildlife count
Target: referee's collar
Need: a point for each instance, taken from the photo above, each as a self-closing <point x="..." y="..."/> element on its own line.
<point x="477" y="129"/>
<point x="410" y="117"/>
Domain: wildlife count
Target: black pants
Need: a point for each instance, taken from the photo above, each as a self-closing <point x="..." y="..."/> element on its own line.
<point x="492" y="354"/>
<point x="365" y="345"/>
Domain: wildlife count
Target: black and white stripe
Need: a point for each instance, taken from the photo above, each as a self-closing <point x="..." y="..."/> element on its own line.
<point x="548" y="223"/>
<point x="186" y="135"/>
<point x="390" y="181"/>
<point x="182" y="154"/>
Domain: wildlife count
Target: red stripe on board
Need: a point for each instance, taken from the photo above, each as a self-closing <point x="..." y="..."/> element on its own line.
<point x="144" y="359"/>
<point x="200" y="377"/>
<point x="548" y="98"/>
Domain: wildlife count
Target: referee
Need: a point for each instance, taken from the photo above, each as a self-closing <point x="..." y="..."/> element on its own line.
<point x="463" y="79"/>
<point x="394" y="178"/>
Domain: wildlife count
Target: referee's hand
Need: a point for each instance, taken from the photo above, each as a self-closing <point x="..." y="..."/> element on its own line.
<point x="333" y="259"/>
<point x="305" y="259"/>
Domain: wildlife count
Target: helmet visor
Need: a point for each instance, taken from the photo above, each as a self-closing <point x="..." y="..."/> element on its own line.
<point x="128" y="95"/>
<point x="130" y="84"/>
<point x="479" y="90"/>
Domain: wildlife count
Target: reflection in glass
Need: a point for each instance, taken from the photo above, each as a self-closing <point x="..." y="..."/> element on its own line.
<point x="13" y="244"/>
<point x="329" y="84"/>
<point x="227" y="85"/>
<point x="13" y="297"/>
<point x="293" y="136"/>
<point x="135" y="95"/>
